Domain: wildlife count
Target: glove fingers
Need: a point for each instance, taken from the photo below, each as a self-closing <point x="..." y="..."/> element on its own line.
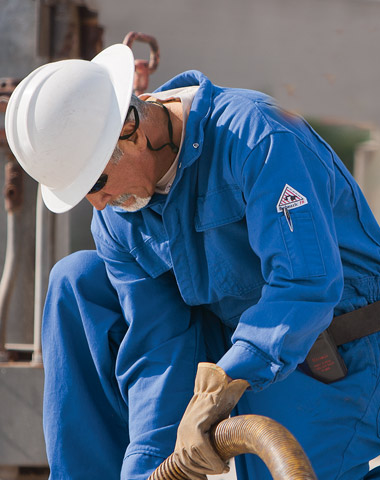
<point x="232" y="395"/>
<point x="209" y="460"/>
<point x="236" y="388"/>
<point x="186" y="465"/>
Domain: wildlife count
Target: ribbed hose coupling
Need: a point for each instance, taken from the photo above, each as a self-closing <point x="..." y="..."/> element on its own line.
<point x="262" y="436"/>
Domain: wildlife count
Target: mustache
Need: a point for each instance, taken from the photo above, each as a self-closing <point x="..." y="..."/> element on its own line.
<point x="138" y="204"/>
<point x="119" y="201"/>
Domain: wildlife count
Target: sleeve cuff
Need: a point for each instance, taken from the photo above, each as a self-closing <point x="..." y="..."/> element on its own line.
<point x="249" y="363"/>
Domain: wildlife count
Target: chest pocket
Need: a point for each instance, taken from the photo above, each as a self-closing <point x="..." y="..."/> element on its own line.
<point x="232" y="266"/>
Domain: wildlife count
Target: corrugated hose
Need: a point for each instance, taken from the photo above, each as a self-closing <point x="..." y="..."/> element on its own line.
<point x="262" y="436"/>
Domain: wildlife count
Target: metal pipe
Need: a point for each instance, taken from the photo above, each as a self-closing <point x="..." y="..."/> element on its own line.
<point x="13" y="201"/>
<point x="8" y="279"/>
<point x="262" y="436"/>
<point x="44" y="260"/>
<point x="39" y="281"/>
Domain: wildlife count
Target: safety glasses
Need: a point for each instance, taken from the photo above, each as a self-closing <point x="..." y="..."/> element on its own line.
<point x="101" y="183"/>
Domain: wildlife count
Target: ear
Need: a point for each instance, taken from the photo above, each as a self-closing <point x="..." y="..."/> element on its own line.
<point x="128" y="129"/>
<point x="137" y="137"/>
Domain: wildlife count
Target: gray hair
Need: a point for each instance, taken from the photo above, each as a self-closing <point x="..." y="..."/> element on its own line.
<point x="116" y="156"/>
<point x="140" y="106"/>
<point x="142" y="109"/>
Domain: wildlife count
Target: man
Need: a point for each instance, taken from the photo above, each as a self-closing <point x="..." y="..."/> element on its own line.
<point x="228" y="232"/>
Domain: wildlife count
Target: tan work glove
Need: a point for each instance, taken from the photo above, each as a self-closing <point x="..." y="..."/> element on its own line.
<point x="214" y="398"/>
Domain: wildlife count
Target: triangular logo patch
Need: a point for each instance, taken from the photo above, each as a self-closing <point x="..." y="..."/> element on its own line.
<point x="290" y="198"/>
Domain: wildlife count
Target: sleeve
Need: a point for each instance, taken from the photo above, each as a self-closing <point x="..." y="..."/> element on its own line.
<point x="300" y="259"/>
<point x="157" y="360"/>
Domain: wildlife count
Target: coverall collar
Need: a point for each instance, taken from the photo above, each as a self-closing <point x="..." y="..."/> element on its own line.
<point x="199" y="113"/>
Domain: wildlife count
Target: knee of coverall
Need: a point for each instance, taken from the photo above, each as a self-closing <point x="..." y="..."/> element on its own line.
<point x="71" y="282"/>
<point x="79" y="287"/>
<point x="75" y="266"/>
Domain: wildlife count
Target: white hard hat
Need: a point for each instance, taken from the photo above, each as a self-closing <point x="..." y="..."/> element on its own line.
<point x="64" y="119"/>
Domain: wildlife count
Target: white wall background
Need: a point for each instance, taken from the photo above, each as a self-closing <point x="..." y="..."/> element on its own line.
<point x="319" y="57"/>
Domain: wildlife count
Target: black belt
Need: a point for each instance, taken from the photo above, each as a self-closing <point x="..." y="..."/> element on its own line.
<point x="324" y="361"/>
<point x="357" y="324"/>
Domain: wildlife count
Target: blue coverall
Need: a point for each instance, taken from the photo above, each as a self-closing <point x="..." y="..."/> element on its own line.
<point x="216" y="271"/>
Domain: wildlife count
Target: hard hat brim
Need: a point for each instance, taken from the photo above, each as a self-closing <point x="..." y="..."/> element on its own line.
<point x="118" y="61"/>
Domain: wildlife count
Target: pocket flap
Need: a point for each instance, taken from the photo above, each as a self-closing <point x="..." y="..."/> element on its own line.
<point x="219" y="207"/>
<point x="153" y="256"/>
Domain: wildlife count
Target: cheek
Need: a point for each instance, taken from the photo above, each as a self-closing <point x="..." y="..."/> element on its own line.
<point x="117" y="185"/>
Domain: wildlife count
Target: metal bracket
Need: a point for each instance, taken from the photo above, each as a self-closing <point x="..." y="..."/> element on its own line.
<point x="143" y="68"/>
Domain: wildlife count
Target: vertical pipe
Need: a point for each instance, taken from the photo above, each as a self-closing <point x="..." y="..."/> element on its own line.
<point x="13" y="201"/>
<point x="44" y="259"/>
<point x="7" y="282"/>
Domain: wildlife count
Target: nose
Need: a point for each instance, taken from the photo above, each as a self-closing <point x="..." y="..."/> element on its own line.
<point x="99" y="200"/>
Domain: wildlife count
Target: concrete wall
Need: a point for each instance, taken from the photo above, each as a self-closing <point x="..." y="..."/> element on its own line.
<point x="318" y="57"/>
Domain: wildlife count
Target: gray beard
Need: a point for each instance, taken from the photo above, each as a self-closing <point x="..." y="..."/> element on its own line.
<point x="139" y="203"/>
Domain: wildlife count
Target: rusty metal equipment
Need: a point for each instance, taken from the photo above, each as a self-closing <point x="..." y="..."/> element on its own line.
<point x="13" y="194"/>
<point x="143" y="68"/>
<point x="262" y="436"/>
<point x="13" y="172"/>
<point x="68" y="29"/>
